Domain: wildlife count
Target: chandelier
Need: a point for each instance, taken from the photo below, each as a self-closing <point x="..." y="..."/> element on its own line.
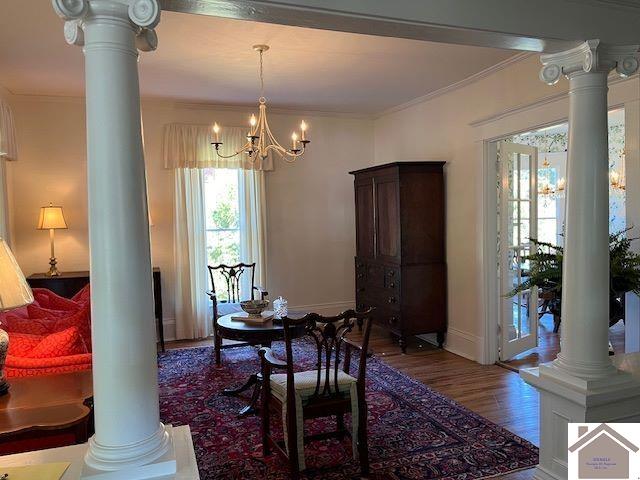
<point x="260" y="140"/>
<point x="548" y="190"/>
<point x="617" y="179"/>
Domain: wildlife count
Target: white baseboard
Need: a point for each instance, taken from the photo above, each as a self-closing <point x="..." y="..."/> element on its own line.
<point x="169" y="327"/>
<point x="456" y="341"/>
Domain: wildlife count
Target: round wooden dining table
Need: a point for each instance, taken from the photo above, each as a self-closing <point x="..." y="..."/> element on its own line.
<point x="255" y="333"/>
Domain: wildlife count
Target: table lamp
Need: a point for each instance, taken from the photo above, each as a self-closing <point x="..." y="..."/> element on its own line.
<point x="51" y="218"/>
<point x="14" y="293"/>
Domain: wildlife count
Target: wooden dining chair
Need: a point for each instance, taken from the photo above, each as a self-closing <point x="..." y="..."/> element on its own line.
<point x="226" y="298"/>
<point x="328" y="390"/>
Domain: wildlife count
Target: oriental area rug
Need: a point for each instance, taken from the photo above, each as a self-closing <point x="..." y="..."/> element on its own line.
<point x="414" y="432"/>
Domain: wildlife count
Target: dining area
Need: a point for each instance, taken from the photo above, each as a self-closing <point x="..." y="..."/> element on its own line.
<point x="279" y="386"/>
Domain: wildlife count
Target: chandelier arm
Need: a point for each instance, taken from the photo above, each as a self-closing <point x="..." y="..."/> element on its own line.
<point x="272" y="137"/>
<point x="242" y="149"/>
<point x="284" y="153"/>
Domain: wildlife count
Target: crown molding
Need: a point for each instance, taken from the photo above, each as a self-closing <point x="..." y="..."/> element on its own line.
<point x="613" y="80"/>
<point x="460" y="84"/>
<point x="617" y="4"/>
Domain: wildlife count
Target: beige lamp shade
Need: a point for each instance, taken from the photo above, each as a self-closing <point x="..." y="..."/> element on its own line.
<point x="14" y="289"/>
<point x="51" y="217"/>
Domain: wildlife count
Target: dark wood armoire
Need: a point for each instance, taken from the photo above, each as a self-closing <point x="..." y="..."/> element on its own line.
<point x="400" y="247"/>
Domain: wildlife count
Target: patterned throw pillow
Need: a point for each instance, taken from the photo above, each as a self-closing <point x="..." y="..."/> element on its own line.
<point x="83" y="296"/>
<point x="38" y="312"/>
<point x="21" y="344"/>
<point x="48" y="299"/>
<point x="41" y="299"/>
<point x="60" y="344"/>
<point x="15" y="324"/>
<point x="80" y="320"/>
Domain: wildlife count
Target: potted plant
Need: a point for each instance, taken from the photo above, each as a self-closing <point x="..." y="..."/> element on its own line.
<point x="546" y="274"/>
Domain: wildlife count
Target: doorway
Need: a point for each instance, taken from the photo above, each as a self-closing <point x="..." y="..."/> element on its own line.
<point x="531" y="219"/>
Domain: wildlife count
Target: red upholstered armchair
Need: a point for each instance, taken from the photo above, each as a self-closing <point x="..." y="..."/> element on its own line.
<point x="52" y="335"/>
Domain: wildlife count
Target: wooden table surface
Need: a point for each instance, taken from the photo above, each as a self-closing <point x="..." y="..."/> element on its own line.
<point x="45" y="402"/>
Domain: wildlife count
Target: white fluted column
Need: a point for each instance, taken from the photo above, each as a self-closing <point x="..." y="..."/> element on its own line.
<point x="129" y="434"/>
<point x="582" y="384"/>
<point x="585" y="280"/>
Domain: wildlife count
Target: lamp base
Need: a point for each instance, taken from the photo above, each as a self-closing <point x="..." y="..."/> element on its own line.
<point x="4" y="348"/>
<point x="53" y="269"/>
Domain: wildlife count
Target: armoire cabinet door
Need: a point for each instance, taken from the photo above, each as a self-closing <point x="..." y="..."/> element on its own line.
<point x="388" y="219"/>
<point x="364" y="220"/>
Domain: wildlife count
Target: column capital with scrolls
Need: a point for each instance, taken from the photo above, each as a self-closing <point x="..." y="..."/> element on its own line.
<point x="143" y="16"/>
<point x="591" y="56"/>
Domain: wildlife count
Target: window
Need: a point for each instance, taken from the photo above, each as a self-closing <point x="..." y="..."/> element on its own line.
<point x="222" y="216"/>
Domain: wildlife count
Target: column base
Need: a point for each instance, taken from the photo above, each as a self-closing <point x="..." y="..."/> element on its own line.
<point x="154" y="457"/>
<point x="566" y="399"/>
<point x="605" y="377"/>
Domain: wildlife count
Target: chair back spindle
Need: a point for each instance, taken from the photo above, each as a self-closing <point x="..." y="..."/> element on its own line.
<point x="232" y="276"/>
<point x="329" y="336"/>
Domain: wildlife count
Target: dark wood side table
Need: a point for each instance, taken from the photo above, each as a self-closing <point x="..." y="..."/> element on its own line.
<point x="67" y="284"/>
<point x="36" y="408"/>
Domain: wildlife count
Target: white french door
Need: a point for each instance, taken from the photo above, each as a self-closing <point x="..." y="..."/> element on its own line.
<point x="518" y="220"/>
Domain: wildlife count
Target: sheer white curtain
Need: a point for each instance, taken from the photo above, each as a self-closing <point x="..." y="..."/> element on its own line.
<point x="190" y="256"/>
<point x="8" y="152"/>
<point x="253" y="225"/>
<point x="187" y="150"/>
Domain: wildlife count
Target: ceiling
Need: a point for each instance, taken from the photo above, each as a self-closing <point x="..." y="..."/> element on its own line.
<point x="210" y="60"/>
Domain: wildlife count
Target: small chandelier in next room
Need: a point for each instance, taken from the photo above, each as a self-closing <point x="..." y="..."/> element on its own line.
<point x="260" y="140"/>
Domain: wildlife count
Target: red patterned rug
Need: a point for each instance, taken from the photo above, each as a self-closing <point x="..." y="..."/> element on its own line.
<point x="414" y="432"/>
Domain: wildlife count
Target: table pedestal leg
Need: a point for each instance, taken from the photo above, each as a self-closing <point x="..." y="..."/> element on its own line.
<point x="254" y="381"/>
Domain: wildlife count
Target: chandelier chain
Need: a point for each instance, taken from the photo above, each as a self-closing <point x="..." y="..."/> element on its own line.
<point x="261" y="77"/>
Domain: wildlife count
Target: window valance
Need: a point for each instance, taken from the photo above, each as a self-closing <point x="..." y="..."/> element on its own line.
<point x="189" y="146"/>
<point x="8" y="145"/>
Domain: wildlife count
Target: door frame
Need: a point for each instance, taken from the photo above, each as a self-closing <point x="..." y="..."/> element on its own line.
<point x="488" y="131"/>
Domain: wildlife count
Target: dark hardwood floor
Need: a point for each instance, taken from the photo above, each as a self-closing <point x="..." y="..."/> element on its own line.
<point x="549" y="345"/>
<point x="494" y="392"/>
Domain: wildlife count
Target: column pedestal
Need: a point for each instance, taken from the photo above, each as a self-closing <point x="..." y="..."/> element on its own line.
<point x="563" y="402"/>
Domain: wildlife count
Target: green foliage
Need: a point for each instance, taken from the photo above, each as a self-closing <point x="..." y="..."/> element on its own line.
<point x="546" y="271"/>
<point x="546" y="266"/>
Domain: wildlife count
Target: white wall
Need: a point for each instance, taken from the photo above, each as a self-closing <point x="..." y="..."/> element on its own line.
<point x="311" y="236"/>
<point x="452" y="127"/>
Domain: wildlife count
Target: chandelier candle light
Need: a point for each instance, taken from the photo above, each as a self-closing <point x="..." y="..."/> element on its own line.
<point x="260" y="140"/>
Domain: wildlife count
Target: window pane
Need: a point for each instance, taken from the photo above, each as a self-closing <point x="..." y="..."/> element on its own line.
<point x="547" y="230"/>
<point x="221" y="199"/>
<point x="222" y="222"/>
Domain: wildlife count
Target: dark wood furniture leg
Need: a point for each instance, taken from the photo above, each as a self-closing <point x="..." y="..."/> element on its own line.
<point x="440" y="339"/>
<point x="402" y="341"/>
<point x="217" y="345"/>
<point x="157" y="298"/>
<point x="255" y="381"/>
